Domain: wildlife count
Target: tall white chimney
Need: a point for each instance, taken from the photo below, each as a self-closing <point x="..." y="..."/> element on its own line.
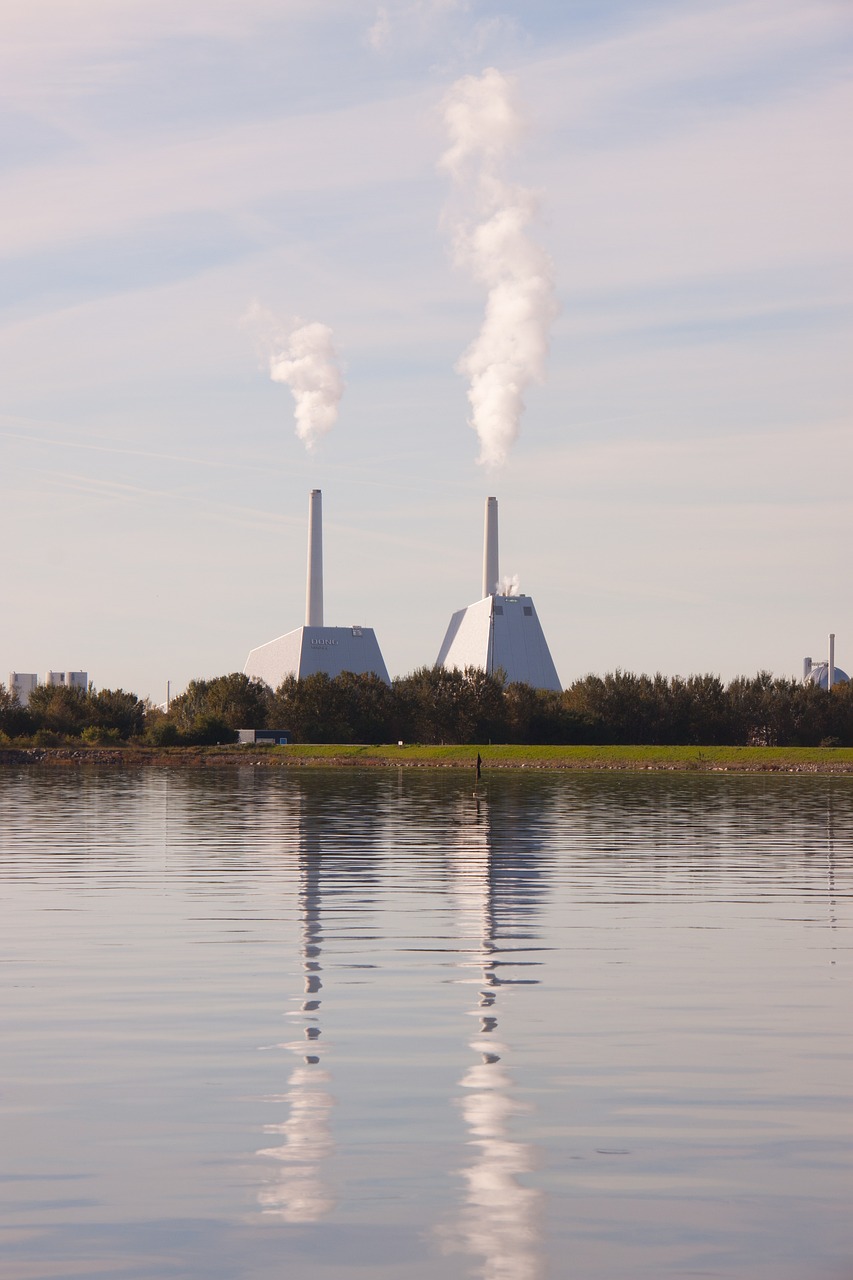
<point x="830" y="671"/>
<point x="314" y="586"/>
<point x="491" y="573"/>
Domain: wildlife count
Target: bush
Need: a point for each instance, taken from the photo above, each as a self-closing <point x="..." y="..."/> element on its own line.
<point x="163" y="733"/>
<point x="95" y="736"/>
<point x="208" y="731"/>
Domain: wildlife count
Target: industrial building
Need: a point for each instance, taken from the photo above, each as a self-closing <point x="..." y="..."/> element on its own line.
<point x="71" y="679"/>
<point x="824" y="674"/>
<point x="501" y="632"/>
<point x="23" y="683"/>
<point x="315" y="647"/>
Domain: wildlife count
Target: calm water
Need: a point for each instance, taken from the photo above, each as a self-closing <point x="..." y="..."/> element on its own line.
<point x="341" y="1025"/>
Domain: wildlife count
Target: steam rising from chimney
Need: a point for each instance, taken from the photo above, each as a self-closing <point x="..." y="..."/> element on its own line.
<point x="303" y="357"/>
<point x="491" y="241"/>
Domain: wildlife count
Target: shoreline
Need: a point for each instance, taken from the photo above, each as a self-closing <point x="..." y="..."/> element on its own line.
<point x="639" y="759"/>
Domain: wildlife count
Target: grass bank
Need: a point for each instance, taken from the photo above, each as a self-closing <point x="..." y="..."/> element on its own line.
<point x="602" y="759"/>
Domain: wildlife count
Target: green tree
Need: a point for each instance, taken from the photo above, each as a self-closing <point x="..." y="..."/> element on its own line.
<point x="440" y="706"/>
<point x="114" y="709"/>
<point x="238" y="701"/>
<point x="313" y="709"/>
<point x="59" y="708"/>
<point x="368" y="705"/>
<point x="15" y="720"/>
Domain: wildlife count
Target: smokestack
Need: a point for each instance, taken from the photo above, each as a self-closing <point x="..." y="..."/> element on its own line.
<point x="830" y="671"/>
<point x="807" y="668"/>
<point x="314" y="586"/>
<point x="490" y="549"/>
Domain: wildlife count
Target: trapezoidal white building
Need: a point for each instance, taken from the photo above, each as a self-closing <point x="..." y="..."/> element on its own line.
<point x="315" y="647"/>
<point x="499" y="632"/>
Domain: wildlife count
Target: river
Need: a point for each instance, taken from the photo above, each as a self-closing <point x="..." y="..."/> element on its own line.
<point x="331" y="1024"/>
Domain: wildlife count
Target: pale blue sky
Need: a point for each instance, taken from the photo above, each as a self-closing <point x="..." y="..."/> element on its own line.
<point x="678" y="498"/>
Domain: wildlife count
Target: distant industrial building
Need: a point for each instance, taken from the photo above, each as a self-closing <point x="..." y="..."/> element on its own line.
<point x="24" y="682"/>
<point x="824" y="674"/>
<point x="315" y="647"/>
<point x="501" y="631"/>
<point x="71" y="679"/>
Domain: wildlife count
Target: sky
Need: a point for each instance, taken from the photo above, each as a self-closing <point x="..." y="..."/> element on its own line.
<point x="675" y="492"/>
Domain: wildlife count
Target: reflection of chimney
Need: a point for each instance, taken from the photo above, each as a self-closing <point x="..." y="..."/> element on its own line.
<point x="830" y="671"/>
<point x="490" y="549"/>
<point x="314" y="587"/>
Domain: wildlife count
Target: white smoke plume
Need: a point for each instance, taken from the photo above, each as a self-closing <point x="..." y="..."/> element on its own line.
<point x="303" y="357"/>
<point x="491" y="239"/>
<point x="510" y="586"/>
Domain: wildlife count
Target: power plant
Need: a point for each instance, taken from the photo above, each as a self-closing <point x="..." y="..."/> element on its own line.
<point x="501" y="632"/>
<point x="315" y="647"/>
<point x="824" y="674"/>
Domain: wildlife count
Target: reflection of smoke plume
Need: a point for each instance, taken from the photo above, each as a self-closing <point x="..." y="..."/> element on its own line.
<point x="491" y="240"/>
<point x="499" y="1219"/>
<point x="298" y="1194"/>
<point x="303" y="356"/>
<point x="510" y="586"/>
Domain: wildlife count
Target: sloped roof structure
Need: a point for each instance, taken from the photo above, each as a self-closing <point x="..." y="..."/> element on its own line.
<point x="500" y="632"/>
<point x="315" y="647"/>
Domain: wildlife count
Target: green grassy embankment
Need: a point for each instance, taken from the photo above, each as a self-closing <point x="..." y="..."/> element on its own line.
<point x="710" y="759"/>
<point x="633" y="759"/>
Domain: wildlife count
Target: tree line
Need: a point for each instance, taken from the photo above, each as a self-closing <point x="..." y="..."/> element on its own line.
<point x="435" y="706"/>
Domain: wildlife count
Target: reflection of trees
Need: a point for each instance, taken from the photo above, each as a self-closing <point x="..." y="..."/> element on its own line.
<point x="498" y="1220"/>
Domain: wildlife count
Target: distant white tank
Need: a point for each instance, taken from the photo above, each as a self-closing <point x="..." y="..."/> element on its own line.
<point x="824" y="674"/>
<point x="818" y="674"/>
<point x="501" y="631"/>
<point x="22" y="683"/>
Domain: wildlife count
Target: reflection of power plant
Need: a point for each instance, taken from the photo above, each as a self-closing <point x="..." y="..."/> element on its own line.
<point x="313" y="828"/>
<point x="297" y="1193"/>
<point x="315" y="647"/>
<point x="501" y="632"/>
<point x="498" y="1220"/>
